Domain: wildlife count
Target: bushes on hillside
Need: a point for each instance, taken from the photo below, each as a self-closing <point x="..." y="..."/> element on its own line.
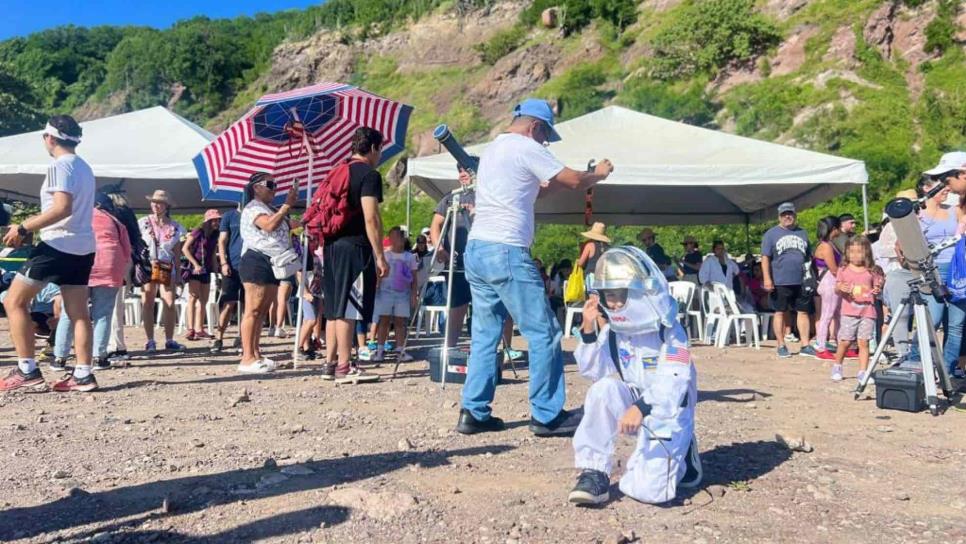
<point x="576" y="14"/>
<point x="501" y="44"/>
<point x="706" y="36"/>
<point x="688" y="104"/>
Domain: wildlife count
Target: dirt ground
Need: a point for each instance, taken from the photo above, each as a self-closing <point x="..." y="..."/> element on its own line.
<point x="167" y="451"/>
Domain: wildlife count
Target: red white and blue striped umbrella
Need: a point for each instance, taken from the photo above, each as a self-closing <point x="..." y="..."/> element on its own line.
<point x="285" y="130"/>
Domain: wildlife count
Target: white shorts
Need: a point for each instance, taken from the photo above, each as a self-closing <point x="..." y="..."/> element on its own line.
<point x="392" y="303"/>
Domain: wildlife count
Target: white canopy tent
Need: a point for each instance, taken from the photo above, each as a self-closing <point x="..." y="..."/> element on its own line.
<point x="142" y="150"/>
<point x="670" y="173"/>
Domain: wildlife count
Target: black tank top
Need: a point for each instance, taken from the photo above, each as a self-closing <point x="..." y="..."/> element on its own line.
<point x="599" y="249"/>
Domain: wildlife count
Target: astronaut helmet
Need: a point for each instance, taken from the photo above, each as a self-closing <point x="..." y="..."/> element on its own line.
<point x="633" y="291"/>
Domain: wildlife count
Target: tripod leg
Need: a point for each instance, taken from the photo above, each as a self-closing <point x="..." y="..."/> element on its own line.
<point x="860" y="387"/>
<point x="422" y="289"/>
<point x="926" y="334"/>
<point x="942" y="373"/>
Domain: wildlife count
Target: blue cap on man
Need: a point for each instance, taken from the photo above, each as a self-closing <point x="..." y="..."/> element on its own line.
<point x="538" y="109"/>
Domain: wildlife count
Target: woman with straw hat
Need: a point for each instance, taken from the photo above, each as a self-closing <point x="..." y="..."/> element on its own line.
<point x="163" y="236"/>
<point x="597" y="245"/>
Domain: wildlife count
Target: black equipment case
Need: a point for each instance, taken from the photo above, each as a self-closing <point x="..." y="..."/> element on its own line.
<point x="457" y="363"/>
<point x="899" y="389"/>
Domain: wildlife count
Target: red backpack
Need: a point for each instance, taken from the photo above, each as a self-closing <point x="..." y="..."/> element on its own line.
<point x="330" y="212"/>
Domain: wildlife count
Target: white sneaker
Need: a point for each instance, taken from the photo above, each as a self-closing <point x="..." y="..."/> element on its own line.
<point x="404" y="357"/>
<point x="836" y="373"/>
<point x="861" y="375"/>
<point x="280" y="333"/>
<point x="364" y="354"/>
<point x="258" y="367"/>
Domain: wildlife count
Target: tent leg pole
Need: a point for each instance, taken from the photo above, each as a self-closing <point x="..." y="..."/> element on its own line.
<point x="747" y="236"/>
<point x="865" y="206"/>
<point x="409" y="206"/>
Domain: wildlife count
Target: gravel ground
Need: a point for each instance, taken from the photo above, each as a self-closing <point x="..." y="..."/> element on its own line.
<point x="184" y="449"/>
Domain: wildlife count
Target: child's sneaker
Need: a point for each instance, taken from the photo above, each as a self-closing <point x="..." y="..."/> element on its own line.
<point x="852" y="353"/>
<point x="513" y="354"/>
<point x="836" y="373"/>
<point x="102" y="363"/>
<point x="378" y="357"/>
<point x="280" y="333"/>
<point x="861" y="376"/>
<point x="372" y="345"/>
<point x="825" y="355"/>
<point x="404" y="357"/>
<point x="791" y="338"/>
<point x="365" y="354"/>
<point x="593" y="488"/>
<point x="783" y="352"/>
<point x="172" y="345"/>
<point x="150" y="346"/>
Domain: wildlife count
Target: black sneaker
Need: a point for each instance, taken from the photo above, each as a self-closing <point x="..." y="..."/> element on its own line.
<point x="328" y="371"/>
<point x="102" y="363"/>
<point x="119" y="355"/>
<point x="216" y="347"/>
<point x="307" y="355"/>
<point x="592" y="489"/>
<point x="470" y="425"/>
<point x="58" y="364"/>
<point x="692" y="472"/>
<point x="564" y="424"/>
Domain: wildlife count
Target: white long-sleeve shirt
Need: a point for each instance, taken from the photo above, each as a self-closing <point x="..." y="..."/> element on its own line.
<point x="711" y="272"/>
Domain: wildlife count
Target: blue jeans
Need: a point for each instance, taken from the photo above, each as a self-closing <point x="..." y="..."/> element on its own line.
<point x="955" y="318"/>
<point x="505" y="281"/>
<point x="102" y="313"/>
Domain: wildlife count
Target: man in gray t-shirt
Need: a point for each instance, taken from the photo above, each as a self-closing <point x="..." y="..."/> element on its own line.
<point x="784" y="252"/>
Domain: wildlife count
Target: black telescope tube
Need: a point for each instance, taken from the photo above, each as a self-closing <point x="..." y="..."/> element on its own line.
<point x="449" y="141"/>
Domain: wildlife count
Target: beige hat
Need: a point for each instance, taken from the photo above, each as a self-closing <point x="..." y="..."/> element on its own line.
<point x="596" y="232"/>
<point x="644" y="233"/>
<point x="160" y="195"/>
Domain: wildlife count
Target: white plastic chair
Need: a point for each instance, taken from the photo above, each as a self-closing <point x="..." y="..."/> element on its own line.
<point x="132" y="308"/>
<point x="433" y="311"/>
<point x="683" y="293"/>
<point x="569" y="319"/>
<point x="211" y="306"/>
<point x="714" y="314"/>
<point x="734" y="318"/>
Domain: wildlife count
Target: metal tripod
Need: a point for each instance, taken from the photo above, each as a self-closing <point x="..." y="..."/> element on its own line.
<point x="449" y="225"/>
<point x="930" y="352"/>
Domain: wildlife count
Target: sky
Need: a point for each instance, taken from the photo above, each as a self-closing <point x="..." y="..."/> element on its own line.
<point x="22" y="17"/>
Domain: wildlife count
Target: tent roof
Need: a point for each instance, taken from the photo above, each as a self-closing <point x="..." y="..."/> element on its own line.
<point x="143" y="150"/>
<point x="670" y="173"/>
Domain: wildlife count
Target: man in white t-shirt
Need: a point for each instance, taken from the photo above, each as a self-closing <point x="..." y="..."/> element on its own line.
<point x="515" y="169"/>
<point x="64" y="257"/>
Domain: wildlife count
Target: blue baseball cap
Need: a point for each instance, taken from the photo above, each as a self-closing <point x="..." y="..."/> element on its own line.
<point x="538" y="109"/>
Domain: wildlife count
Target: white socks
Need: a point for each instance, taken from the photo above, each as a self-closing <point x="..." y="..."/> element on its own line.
<point x="27" y="365"/>
<point x="82" y="371"/>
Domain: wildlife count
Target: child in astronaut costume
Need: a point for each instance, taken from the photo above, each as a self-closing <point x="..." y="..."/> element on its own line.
<point x="636" y="353"/>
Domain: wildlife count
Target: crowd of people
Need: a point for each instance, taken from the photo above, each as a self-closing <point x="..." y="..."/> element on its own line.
<point x="360" y="285"/>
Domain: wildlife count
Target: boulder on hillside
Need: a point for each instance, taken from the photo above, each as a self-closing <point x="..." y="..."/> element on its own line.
<point x="783" y="9"/>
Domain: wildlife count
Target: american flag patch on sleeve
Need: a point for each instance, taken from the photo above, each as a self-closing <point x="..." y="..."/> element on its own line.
<point x="678" y="355"/>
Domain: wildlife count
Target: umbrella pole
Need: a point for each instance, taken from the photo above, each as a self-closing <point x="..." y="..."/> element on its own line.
<point x="409" y="205"/>
<point x="305" y="259"/>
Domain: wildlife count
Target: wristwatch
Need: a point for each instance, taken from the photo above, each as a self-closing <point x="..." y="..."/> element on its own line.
<point x="21" y="231"/>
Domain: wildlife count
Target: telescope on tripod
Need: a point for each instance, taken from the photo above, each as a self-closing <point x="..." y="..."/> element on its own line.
<point x="918" y="255"/>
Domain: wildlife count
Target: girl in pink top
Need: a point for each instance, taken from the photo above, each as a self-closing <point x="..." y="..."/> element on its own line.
<point x="858" y="282"/>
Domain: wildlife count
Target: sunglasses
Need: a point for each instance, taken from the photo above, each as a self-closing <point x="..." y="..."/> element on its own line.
<point x="269" y="183"/>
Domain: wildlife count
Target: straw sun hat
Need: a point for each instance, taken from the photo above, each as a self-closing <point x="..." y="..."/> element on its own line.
<point x="596" y="232"/>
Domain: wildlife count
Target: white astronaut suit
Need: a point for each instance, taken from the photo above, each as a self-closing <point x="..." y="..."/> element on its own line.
<point x="653" y="370"/>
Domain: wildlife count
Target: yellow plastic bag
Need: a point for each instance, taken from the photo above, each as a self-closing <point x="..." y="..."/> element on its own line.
<point x="575" y="291"/>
